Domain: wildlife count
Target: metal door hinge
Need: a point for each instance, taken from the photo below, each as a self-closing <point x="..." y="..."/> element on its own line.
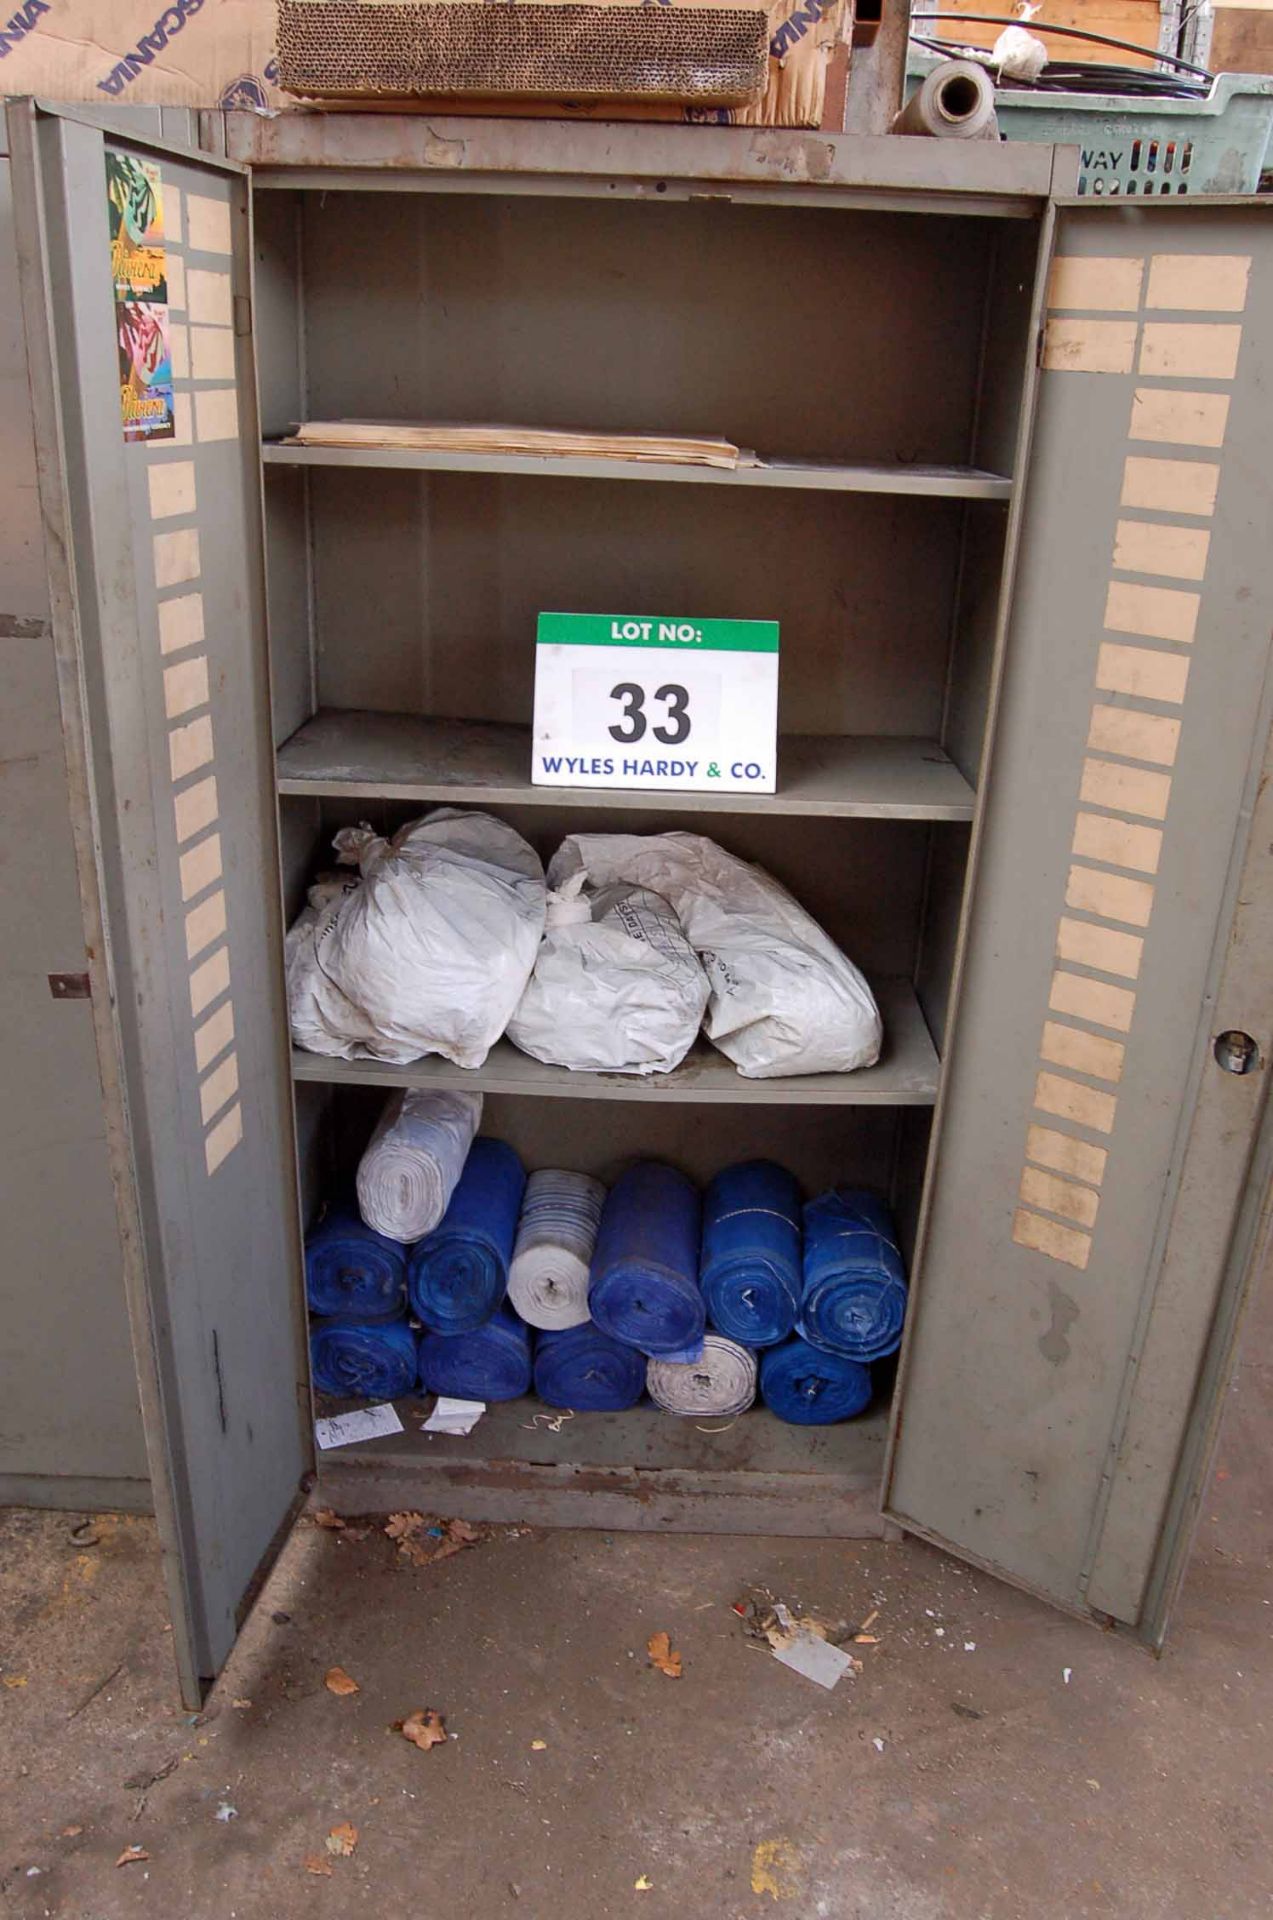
<point x="242" y="315"/>
<point x="70" y="986"/>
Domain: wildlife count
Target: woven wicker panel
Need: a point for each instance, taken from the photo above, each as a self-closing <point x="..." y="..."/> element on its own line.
<point x="341" y="49"/>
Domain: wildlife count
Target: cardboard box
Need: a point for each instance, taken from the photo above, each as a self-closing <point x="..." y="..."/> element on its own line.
<point x="220" y="53"/>
<point x="708" y="52"/>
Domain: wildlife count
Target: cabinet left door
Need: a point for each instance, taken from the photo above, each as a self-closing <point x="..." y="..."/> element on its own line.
<point x="135" y="268"/>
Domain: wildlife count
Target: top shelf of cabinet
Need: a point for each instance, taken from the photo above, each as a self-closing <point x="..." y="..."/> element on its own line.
<point x="940" y="483"/>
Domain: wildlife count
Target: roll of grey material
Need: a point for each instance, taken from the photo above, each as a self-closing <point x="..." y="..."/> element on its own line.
<point x="955" y="102"/>
<point x="722" y="1382"/>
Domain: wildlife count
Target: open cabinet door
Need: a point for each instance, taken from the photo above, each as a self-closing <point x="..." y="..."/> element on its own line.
<point x="150" y="500"/>
<point x="1098" y="1191"/>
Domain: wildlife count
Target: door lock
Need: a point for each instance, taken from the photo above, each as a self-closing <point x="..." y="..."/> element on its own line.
<point x="1236" y="1051"/>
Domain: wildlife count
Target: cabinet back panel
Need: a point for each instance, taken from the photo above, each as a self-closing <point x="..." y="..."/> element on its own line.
<point x="799" y="331"/>
<point x="822" y="1147"/>
<point x="428" y="587"/>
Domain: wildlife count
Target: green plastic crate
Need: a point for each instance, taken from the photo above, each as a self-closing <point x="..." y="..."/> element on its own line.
<point x="1214" y="144"/>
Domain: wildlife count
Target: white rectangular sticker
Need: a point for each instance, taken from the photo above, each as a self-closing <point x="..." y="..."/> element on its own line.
<point x="364" y="1423"/>
<point x="656" y="704"/>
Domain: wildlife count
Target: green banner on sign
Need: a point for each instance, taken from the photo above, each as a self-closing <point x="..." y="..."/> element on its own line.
<point x="655" y="630"/>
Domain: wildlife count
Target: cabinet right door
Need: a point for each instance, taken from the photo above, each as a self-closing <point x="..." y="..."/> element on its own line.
<point x="1098" y="1194"/>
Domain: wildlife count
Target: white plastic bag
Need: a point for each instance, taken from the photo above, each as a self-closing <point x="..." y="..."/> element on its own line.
<point x="322" y="1019"/>
<point x="616" y="988"/>
<point x="414" y="1159"/>
<point x="784" y="999"/>
<point x="432" y="952"/>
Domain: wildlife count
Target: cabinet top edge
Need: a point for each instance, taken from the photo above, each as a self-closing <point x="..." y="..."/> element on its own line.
<point x="412" y="151"/>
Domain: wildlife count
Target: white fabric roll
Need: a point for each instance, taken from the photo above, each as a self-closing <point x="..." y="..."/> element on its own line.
<point x="552" y="1257"/>
<point x="721" y="1383"/>
<point x="414" y="1160"/>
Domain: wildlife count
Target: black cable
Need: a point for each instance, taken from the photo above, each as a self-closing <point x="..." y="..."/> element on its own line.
<point x="1060" y="76"/>
<point x="1069" y="33"/>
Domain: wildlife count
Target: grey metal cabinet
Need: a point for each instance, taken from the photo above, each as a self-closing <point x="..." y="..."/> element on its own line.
<point x="1008" y="515"/>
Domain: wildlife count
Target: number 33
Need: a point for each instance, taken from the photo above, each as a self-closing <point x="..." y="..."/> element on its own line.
<point x="676" y="727"/>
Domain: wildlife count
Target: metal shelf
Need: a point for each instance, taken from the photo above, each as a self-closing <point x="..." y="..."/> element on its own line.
<point x="906" y="1075"/>
<point x="941" y="483"/>
<point x="395" y="756"/>
<point x="640" y="1469"/>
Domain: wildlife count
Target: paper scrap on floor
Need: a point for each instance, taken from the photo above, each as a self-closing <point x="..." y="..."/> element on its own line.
<point x="364" y="1423"/>
<point x="428" y="436"/>
<point x="815" y="1658"/>
<point x="454" y="1416"/>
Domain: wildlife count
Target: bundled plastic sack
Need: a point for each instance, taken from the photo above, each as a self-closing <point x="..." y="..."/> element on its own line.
<point x="322" y="1019"/>
<point x="413" y="1161"/>
<point x="433" y="951"/>
<point x="784" y="999"/>
<point x="617" y="987"/>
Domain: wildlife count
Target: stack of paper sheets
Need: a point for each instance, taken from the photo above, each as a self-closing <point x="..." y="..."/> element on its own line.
<point x="445" y="437"/>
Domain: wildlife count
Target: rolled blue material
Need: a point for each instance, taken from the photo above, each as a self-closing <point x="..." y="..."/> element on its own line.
<point x="751" y="1253"/>
<point x="458" y="1274"/>
<point x="352" y="1269"/>
<point x="376" y="1361"/>
<point x="854" y="1281"/>
<point x="583" y="1368"/>
<point x="490" y="1363"/>
<point x="645" y="1288"/>
<point x="809" y="1388"/>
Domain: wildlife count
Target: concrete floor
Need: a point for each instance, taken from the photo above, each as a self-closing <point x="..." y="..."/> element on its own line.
<point x="949" y="1779"/>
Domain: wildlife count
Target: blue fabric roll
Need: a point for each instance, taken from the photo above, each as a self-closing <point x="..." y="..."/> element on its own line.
<point x="458" y="1274"/>
<point x="809" y="1388"/>
<point x="751" y="1253"/>
<point x="352" y="1269"/>
<point x="645" y="1288"/>
<point x="583" y="1368"/>
<point x="376" y="1360"/>
<point x="490" y="1363"/>
<point x="854" y="1281"/>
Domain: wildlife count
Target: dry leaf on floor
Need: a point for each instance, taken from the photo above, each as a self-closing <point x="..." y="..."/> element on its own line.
<point x="324" y="1517"/>
<point x="70" y="1833"/>
<point x="336" y="1680"/>
<point x="539" y="1746"/>
<point x="315" y="1863"/>
<point x="14" y="1679"/>
<point x="422" y="1538"/>
<point x="424" y="1728"/>
<point x="342" y="1839"/>
<point x="663" y="1655"/>
<point x="130" y="1854"/>
<point x="642" y="1884"/>
<point x="240" y="1705"/>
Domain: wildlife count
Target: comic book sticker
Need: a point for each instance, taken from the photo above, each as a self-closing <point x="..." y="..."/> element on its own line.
<point x="145" y="370"/>
<point x="135" y="203"/>
<point x="135" y="195"/>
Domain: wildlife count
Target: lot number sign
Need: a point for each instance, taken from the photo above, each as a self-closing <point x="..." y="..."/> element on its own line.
<point x="666" y="705"/>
